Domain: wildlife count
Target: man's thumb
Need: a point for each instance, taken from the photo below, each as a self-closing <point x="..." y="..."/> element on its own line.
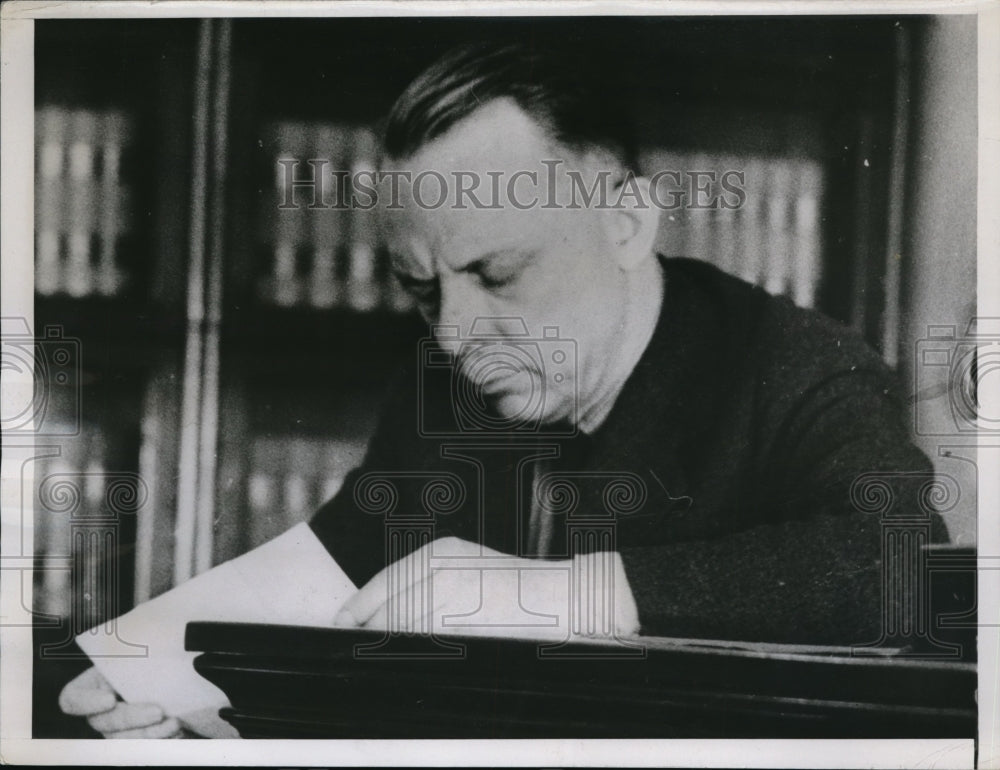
<point x="88" y="694"/>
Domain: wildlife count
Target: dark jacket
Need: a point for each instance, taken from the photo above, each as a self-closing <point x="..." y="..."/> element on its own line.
<point x="723" y="473"/>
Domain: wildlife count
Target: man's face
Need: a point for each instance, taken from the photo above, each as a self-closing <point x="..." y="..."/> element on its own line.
<point x="487" y="270"/>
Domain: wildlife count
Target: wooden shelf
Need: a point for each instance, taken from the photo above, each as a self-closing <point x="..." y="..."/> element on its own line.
<point x="350" y="684"/>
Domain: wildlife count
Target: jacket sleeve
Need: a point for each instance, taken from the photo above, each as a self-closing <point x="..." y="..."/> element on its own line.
<point x="835" y="473"/>
<point x="354" y="536"/>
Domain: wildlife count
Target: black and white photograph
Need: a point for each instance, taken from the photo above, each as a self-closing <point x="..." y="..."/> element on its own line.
<point x="396" y="382"/>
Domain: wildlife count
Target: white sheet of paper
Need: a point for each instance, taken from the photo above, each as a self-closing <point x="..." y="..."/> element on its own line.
<point x="291" y="579"/>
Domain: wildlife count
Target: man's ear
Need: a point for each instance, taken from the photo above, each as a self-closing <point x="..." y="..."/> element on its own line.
<point x="631" y="221"/>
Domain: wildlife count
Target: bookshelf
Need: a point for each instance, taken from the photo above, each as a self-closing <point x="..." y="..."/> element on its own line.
<point x="112" y="142"/>
<point x="234" y="350"/>
<point x="107" y="250"/>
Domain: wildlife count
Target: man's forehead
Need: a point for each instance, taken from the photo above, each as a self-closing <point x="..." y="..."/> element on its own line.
<point x="420" y="240"/>
<point x="498" y="151"/>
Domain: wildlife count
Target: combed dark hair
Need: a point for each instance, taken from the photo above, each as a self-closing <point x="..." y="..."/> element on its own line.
<point x="542" y="83"/>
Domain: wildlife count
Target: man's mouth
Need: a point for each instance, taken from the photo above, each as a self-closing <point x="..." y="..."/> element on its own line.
<point x="499" y="379"/>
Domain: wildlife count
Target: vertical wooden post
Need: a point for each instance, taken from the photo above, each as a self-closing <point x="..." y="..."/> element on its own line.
<point x="200" y="408"/>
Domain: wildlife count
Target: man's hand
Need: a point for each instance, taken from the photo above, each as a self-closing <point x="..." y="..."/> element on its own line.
<point x="90" y="696"/>
<point x="455" y="586"/>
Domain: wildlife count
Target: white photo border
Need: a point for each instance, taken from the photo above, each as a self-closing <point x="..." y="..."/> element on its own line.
<point x="16" y="297"/>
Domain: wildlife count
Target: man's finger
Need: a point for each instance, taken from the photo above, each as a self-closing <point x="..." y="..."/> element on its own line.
<point x="403" y="575"/>
<point x="400" y="575"/>
<point x="127" y="716"/>
<point x="87" y="694"/>
<point x="168" y="728"/>
<point x="408" y="610"/>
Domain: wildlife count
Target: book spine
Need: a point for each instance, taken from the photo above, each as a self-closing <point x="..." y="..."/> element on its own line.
<point x="287" y="212"/>
<point x="159" y="462"/>
<point x="51" y="127"/>
<point x="82" y="199"/>
<point x="93" y="561"/>
<point x="807" y="237"/>
<point x="362" y="286"/>
<point x="151" y="428"/>
<point x="55" y="594"/>
<point x="699" y="214"/>
<point x="298" y="481"/>
<point x="778" y="204"/>
<point x="727" y="219"/>
<point x="672" y="239"/>
<point x="329" y="486"/>
<point x="113" y="205"/>
<point x="752" y="225"/>
<point x="263" y="498"/>
<point x="317" y="475"/>
<point x="328" y="223"/>
<point x="71" y="491"/>
<point x="234" y="467"/>
<point x="339" y="456"/>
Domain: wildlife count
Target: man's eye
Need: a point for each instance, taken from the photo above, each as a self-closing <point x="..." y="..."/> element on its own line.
<point x="423" y="291"/>
<point x="494" y="279"/>
<point x="503" y="271"/>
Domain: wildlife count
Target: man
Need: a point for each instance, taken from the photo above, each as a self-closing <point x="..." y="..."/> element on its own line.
<point x="705" y="435"/>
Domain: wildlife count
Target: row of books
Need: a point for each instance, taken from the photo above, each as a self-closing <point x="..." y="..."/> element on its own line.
<point x="316" y="256"/>
<point x="288" y="479"/>
<point x="82" y="200"/>
<point x="291" y="476"/>
<point x="769" y="233"/>
<point x="755" y="217"/>
<point x="70" y="489"/>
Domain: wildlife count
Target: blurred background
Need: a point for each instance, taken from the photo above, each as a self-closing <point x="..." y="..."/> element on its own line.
<point x="231" y="355"/>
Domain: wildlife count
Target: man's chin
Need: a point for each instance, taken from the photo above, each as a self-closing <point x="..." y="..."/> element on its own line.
<point x="513" y="406"/>
<point x="519" y="409"/>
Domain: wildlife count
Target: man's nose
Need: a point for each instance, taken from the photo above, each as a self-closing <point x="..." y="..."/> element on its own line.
<point x="458" y="310"/>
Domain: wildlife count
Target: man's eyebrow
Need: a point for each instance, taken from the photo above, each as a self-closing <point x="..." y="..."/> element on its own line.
<point x="402" y="270"/>
<point x="408" y="279"/>
<point x="477" y="263"/>
<point x="399" y="267"/>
